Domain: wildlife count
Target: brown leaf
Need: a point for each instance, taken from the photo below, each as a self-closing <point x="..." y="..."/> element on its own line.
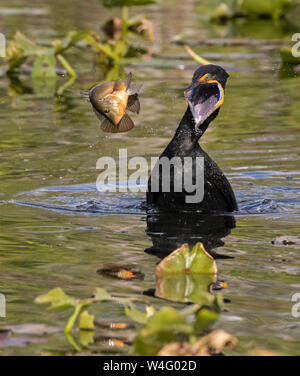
<point x="212" y="344"/>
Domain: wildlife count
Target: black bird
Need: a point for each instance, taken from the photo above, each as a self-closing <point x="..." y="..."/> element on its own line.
<point x="205" y="96"/>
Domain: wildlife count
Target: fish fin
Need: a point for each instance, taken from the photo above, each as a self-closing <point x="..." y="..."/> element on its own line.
<point x="85" y="94"/>
<point x="118" y="85"/>
<point x="128" y="81"/>
<point x="134" y="88"/>
<point x="108" y="126"/>
<point x="133" y="103"/>
<point x="99" y="115"/>
<point x="125" y="124"/>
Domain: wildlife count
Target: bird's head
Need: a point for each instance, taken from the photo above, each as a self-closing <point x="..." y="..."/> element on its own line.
<point x="205" y="94"/>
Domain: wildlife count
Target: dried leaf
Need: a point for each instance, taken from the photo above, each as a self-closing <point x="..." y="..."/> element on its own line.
<point x="212" y="344"/>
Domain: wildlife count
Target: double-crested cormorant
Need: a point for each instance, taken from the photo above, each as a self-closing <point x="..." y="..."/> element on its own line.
<point x="205" y="96"/>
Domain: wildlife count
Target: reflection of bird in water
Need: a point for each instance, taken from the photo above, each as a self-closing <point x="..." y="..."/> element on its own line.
<point x="169" y="232"/>
<point x="205" y="96"/>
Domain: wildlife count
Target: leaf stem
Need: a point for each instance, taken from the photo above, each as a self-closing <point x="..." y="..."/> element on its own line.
<point x="66" y="65"/>
<point x="195" y="56"/>
<point x="73" y="318"/>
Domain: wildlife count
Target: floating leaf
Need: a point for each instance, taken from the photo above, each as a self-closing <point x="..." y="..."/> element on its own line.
<point x="101" y="294"/>
<point x="137" y="315"/>
<point x="57" y="298"/>
<point x="184" y="261"/>
<point x="86" y="321"/>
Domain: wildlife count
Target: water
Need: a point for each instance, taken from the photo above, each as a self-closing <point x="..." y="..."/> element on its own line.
<point x="56" y="228"/>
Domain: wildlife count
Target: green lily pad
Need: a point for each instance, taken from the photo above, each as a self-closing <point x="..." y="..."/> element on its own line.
<point x="185" y="288"/>
<point x="183" y="261"/>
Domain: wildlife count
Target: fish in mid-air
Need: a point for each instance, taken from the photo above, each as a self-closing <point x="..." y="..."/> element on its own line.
<point x="111" y="100"/>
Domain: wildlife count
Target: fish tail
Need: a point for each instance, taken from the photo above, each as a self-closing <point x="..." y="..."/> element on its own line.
<point x="134" y="88"/>
<point x="133" y="103"/>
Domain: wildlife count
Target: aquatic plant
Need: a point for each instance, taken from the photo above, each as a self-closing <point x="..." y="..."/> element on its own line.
<point x="166" y="325"/>
<point x="274" y="9"/>
<point x="112" y="48"/>
<point x="119" y="26"/>
<point x="21" y="49"/>
<point x="59" y="300"/>
<point x="186" y="276"/>
<point x="288" y="57"/>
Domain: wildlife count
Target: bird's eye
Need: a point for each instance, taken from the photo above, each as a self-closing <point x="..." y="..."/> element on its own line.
<point x="106" y="111"/>
<point x="208" y="77"/>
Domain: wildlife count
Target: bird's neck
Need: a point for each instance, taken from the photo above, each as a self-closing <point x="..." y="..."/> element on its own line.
<point x="186" y="137"/>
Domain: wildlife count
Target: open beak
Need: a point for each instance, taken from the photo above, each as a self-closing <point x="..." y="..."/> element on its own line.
<point x="204" y="98"/>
